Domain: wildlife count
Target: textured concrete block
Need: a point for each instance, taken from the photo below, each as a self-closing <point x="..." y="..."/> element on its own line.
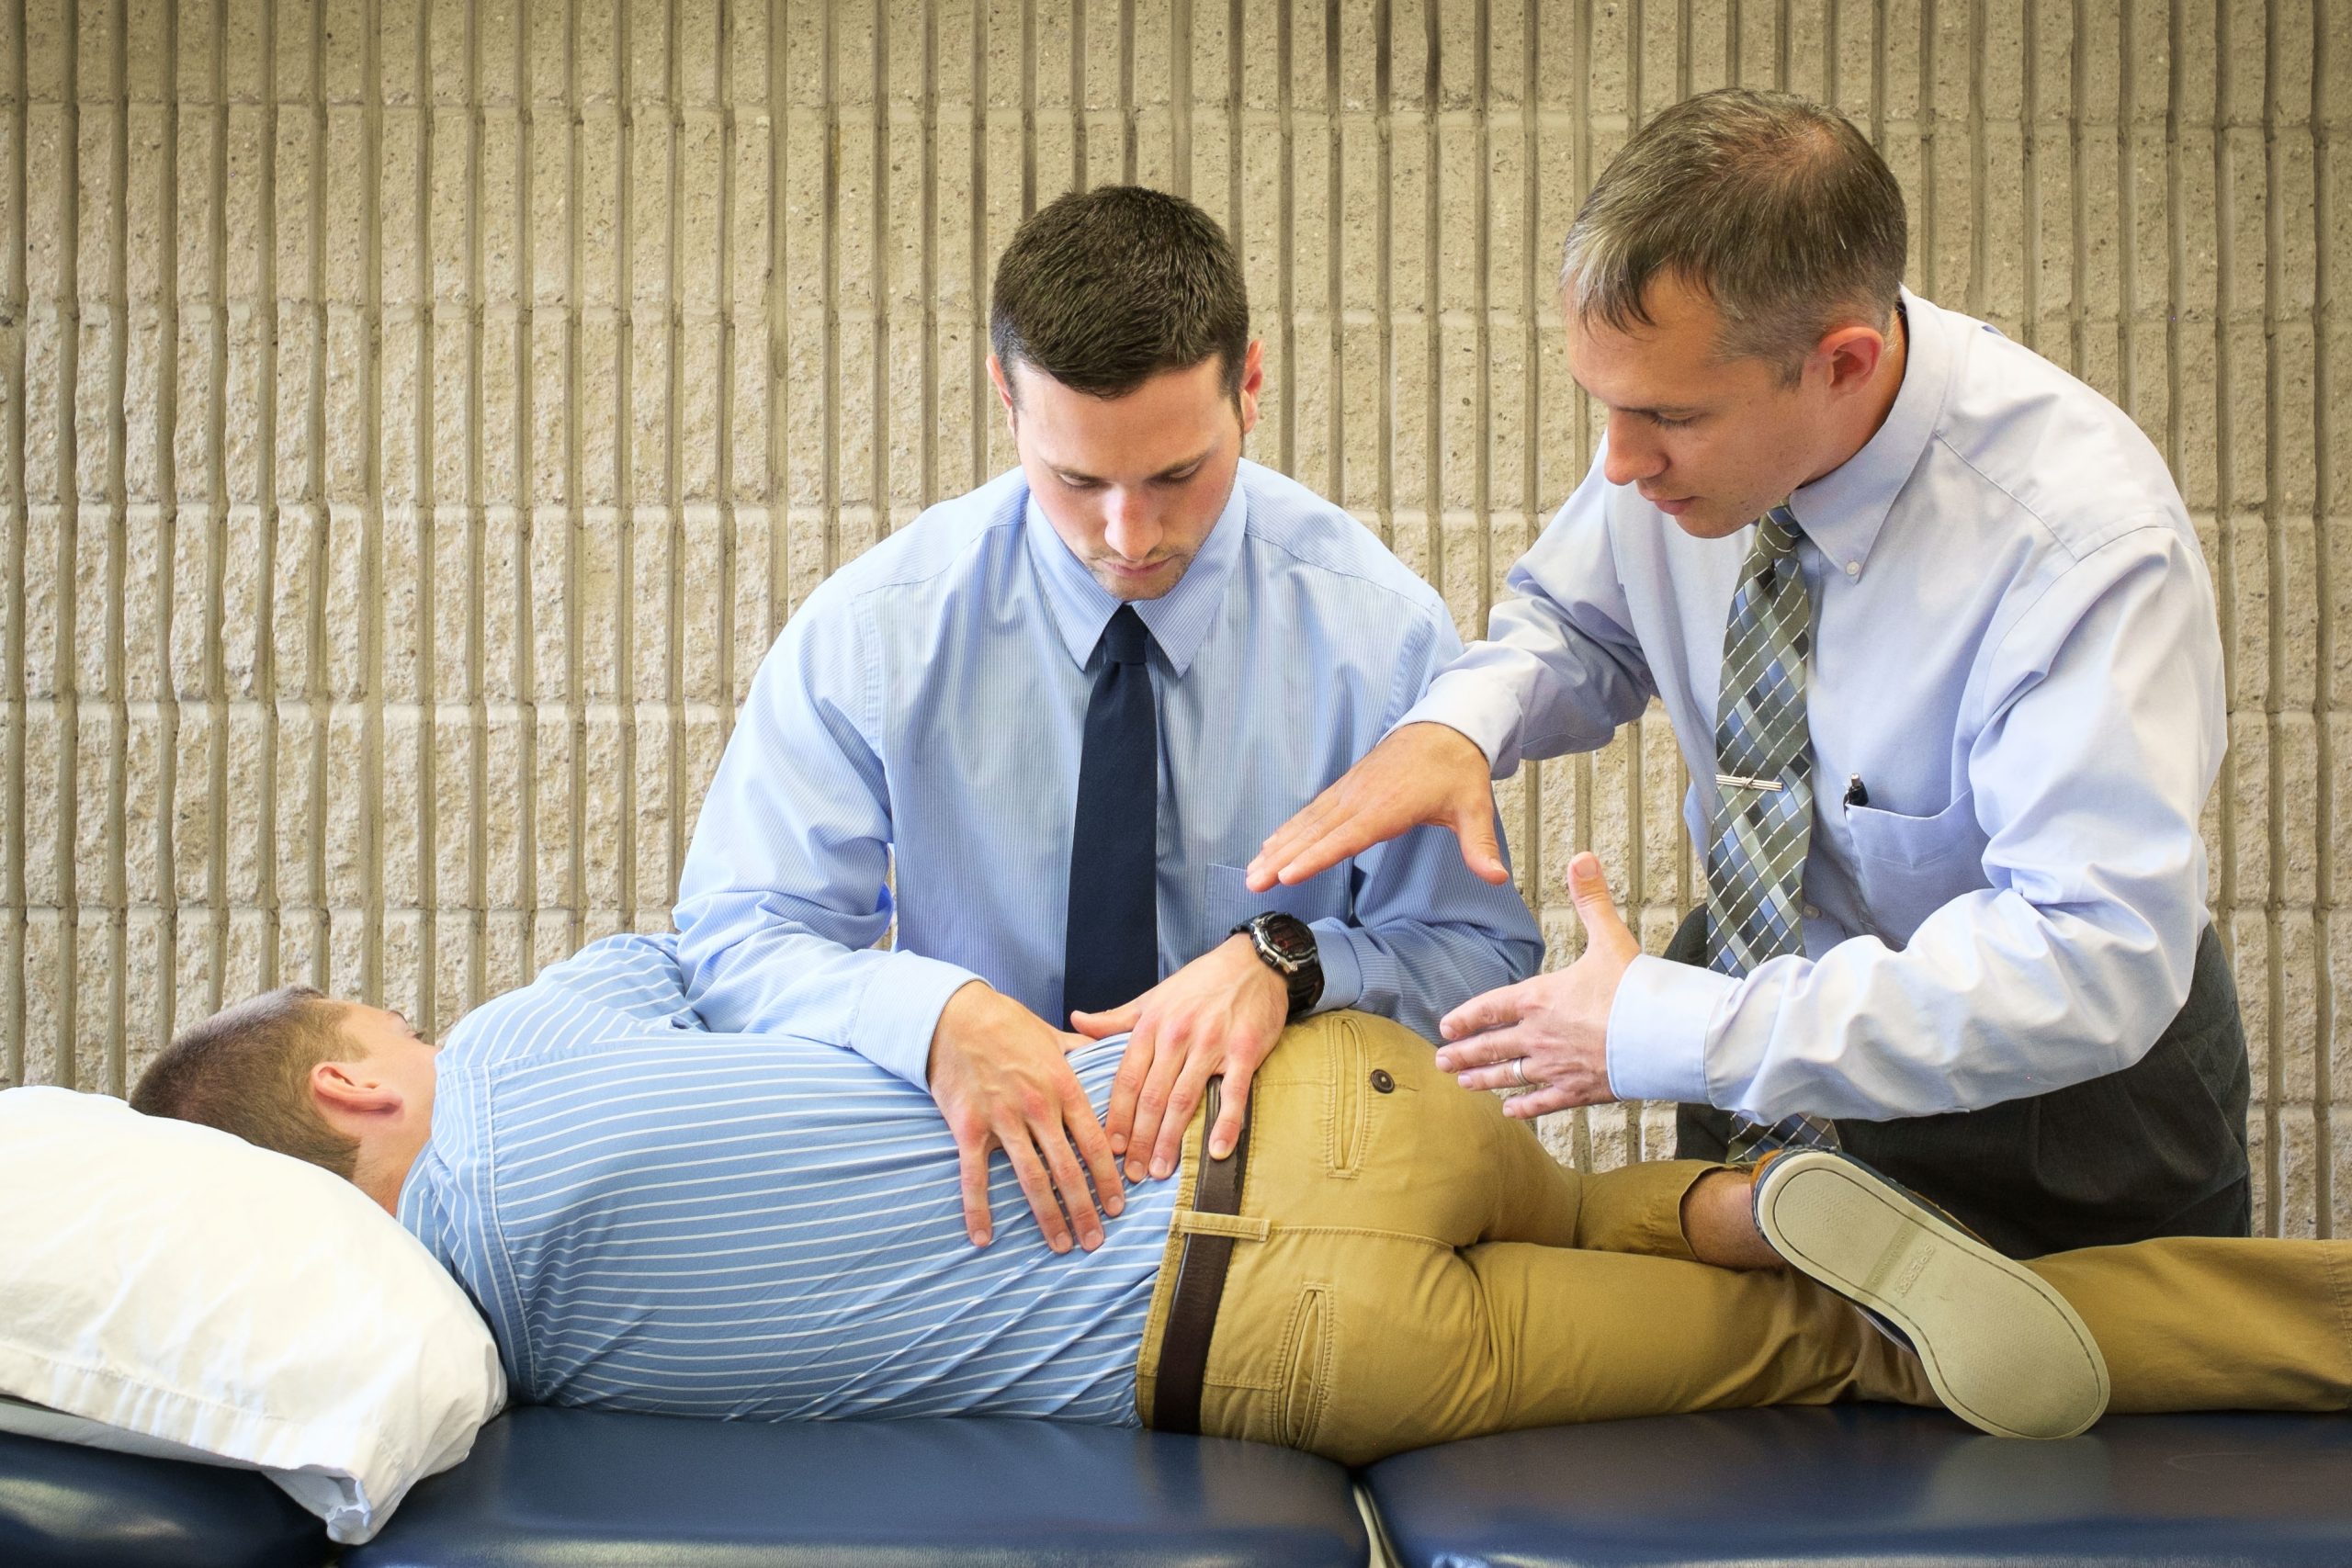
<point x="192" y="834"/>
<point x="554" y="815"/>
<point x="450" y="409"/>
<point x="97" y="1033"/>
<point x="551" y="594"/>
<point x="47" y="1053"/>
<point x="499" y="605"/>
<point x="598" y="410"/>
<point x="2246" y="774"/>
<point x="351" y="808"/>
<point x="452" y="876"/>
<point x="2251" y="956"/>
<point x="2301" y="988"/>
<point x="548" y="401"/>
<point x="653" y="571"/>
<point x="596" y="598"/>
<point x="757" y="610"/>
<point x="245" y="800"/>
<point x="506" y="801"/>
<point x="701" y="592"/>
<point x="703" y="425"/>
<point x="96" y="741"/>
<point x="455" y="989"/>
<point x="506" y="952"/>
<point x="604" y="788"/>
<point x="400" y="765"/>
<point x="2296" y="741"/>
<point x="1656" y="876"/>
<point x="296" y="833"/>
<point x="147" y="980"/>
<point x="145" y="790"/>
<point x="401" y="960"/>
<point x="452" y="605"/>
<point x="654" y="748"/>
<point x="352" y="942"/>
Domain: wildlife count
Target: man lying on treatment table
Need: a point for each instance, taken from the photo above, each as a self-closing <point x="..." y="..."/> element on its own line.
<point x="655" y="1217"/>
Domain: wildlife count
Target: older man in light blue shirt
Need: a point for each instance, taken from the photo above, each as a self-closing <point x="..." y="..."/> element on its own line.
<point x="908" y="762"/>
<point x="1978" y="944"/>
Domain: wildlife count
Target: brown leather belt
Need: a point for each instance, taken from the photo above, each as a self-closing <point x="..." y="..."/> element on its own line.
<point x="1199" y="1279"/>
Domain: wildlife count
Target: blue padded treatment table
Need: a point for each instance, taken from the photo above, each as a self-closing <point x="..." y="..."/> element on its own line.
<point x="1854" y="1484"/>
<point x="547" y="1488"/>
<point x="66" y="1507"/>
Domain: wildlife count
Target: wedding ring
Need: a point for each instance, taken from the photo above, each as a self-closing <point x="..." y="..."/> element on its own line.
<point x="1519" y="1071"/>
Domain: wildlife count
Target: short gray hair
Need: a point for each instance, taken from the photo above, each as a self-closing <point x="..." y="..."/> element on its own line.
<point x="1776" y="208"/>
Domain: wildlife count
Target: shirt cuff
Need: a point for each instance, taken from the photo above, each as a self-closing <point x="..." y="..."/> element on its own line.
<point x="1658" y="1029"/>
<point x="900" y="1010"/>
<point x="1477" y="705"/>
<point x="1335" y="949"/>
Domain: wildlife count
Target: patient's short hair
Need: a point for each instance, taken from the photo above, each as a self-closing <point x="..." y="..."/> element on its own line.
<point x="246" y="1070"/>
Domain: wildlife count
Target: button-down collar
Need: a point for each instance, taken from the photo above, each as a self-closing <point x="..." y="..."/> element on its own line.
<point x="1843" y="511"/>
<point x="1179" y="619"/>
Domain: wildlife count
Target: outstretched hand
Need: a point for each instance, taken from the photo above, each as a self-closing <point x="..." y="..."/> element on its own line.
<point x="1423" y="772"/>
<point x="1551" y="1033"/>
<point x="1002" y="1079"/>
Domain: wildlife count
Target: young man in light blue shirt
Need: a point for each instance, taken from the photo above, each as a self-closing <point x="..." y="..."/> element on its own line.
<point x="1949" y="787"/>
<point x="1035" y="737"/>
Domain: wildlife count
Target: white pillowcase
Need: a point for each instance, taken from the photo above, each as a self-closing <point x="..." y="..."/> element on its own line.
<point x="177" y="1284"/>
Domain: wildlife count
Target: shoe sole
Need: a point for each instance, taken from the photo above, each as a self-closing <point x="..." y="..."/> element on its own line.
<point x="2004" y="1352"/>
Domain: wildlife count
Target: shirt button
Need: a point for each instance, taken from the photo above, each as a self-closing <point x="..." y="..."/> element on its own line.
<point x="1853" y="568"/>
<point x="1381" y="1080"/>
<point x="1812" y="912"/>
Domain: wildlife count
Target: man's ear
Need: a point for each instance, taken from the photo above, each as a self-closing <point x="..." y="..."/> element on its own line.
<point x="1851" y="354"/>
<point x="345" y="1094"/>
<point x="1002" y="380"/>
<point x="1253" y="383"/>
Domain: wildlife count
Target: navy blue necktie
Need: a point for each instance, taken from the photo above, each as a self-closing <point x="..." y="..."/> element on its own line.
<point x="1111" y="950"/>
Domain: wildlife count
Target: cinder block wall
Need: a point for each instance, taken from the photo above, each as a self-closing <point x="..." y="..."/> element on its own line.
<point x="416" y="417"/>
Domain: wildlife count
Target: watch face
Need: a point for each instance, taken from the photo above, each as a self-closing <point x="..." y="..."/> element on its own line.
<point x="1289" y="937"/>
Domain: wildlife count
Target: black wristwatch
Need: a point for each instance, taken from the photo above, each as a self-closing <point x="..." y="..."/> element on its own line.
<point x="1286" y="946"/>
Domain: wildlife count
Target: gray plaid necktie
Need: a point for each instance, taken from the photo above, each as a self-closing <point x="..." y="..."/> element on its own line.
<point x="1763" y="791"/>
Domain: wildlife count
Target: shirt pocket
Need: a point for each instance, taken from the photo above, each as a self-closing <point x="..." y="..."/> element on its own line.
<point x="1909" y="867"/>
<point x="1227" y="901"/>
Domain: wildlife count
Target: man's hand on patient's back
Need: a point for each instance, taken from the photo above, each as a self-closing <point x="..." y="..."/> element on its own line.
<point x="1220" y="1013"/>
<point x="1423" y="772"/>
<point x="1002" y="1076"/>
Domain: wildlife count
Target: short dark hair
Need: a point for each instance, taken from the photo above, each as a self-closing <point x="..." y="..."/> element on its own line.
<point x="1103" y="289"/>
<point x="1776" y="207"/>
<point x="246" y="1070"/>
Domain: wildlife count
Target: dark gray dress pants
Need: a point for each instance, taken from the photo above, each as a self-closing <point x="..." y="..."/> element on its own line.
<point x="2157" y="1149"/>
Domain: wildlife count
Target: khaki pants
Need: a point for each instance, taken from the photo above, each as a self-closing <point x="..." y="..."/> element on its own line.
<point x="1415" y="1267"/>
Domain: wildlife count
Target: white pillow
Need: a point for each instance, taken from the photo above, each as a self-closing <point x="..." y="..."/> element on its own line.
<point x="178" y="1283"/>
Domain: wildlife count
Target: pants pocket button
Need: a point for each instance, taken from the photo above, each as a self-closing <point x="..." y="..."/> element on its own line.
<point x="1382" y="1081"/>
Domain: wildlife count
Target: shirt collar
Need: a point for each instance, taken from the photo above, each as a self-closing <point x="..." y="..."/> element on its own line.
<point x="1179" y="620"/>
<point x="1843" y="512"/>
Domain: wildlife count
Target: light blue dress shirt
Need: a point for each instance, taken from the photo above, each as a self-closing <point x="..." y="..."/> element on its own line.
<point x="2015" y="649"/>
<point x="909" y="751"/>
<point x="752" y="1228"/>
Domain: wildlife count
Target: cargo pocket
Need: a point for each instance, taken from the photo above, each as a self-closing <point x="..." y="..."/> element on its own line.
<point x="1306" y="1355"/>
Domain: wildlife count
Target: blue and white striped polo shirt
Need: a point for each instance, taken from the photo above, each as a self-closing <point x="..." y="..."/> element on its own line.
<point x="654" y="1217"/>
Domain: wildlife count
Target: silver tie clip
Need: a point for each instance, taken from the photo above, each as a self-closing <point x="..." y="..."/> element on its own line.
<point x="1736" y="781"/>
